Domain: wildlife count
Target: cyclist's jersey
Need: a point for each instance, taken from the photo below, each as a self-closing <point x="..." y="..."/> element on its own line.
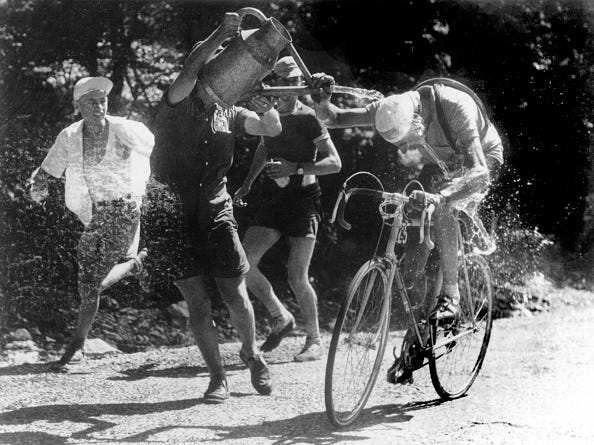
<point x="466" y="122"/>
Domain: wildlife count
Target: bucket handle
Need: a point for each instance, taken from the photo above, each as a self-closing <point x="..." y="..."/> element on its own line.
<point x="253" y="11"/>
<point x="298" y="60"/>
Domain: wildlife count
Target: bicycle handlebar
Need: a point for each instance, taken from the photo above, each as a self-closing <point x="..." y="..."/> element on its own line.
<point x="344" y="196"/>
<point x="387" y="198"/>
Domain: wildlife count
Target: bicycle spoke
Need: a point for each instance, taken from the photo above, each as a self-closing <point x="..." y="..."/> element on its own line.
<point x="459" y="352"/>
<point x="357" y="346"/>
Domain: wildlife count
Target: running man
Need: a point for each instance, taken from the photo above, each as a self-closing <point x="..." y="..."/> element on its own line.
<point x="303" y="151"/>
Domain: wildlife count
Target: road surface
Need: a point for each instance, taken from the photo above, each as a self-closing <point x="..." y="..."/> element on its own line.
<point x="536" y="387"/>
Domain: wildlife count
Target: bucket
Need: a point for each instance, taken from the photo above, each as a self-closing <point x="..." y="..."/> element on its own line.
<point x="246" y="60"/>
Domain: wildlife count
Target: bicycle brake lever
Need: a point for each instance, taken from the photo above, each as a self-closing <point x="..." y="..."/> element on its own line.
<point x="426" y="214"/>
<point x="335" y="210"/>
<point x="343" y="223"/>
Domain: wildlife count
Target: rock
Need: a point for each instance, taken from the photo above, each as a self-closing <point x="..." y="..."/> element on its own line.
<point x="97" y="347"/>
<point x="22" y="357"/>
<point x="22" y="335"/>
<point x="23" y="345"/>
<point x="179" y="314"/>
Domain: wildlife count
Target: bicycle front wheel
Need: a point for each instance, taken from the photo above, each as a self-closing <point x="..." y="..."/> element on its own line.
<point x="358" y="344"/>
<point x="459" y="351"/>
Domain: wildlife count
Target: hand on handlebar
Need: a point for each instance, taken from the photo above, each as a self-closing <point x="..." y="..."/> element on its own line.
<point x="420" y="200"/>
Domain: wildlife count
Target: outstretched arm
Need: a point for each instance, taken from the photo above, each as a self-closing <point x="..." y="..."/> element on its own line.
<point x="330" y="114"/>
<point x="183" y="85"/>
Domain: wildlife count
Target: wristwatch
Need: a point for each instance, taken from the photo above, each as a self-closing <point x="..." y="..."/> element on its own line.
<point x="299" y="168"/>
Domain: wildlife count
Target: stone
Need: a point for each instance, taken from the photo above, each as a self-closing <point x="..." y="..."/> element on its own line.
<point x="22" y="335"/>
<point x="95" y="347"/>
<point x="28" y="345"/>
<point x="28" y="357"/>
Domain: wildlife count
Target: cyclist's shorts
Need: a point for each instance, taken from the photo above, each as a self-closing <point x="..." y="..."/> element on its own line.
<point x="215" y="250"/>
<point x="293" y="211"/>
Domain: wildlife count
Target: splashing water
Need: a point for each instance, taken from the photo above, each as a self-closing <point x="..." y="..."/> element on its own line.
<point x="358" y="92"/>
<point x="283" y="91"/>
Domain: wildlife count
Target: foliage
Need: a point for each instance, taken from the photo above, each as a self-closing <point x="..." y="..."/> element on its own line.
<point x="531" y="60"/>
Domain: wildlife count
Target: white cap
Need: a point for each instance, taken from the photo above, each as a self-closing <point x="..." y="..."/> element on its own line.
<point x="88" y="84"/>
<point x="394" y="117"/>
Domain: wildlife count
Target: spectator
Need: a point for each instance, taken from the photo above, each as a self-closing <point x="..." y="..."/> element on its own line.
<point x="193" y="152"/>
<point x="106" y="163"/>
<point x="291" y="208"/>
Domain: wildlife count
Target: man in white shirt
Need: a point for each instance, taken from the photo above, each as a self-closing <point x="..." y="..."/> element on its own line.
<point x="105" y="160"/>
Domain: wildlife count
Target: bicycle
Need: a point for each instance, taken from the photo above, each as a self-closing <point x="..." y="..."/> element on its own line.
<point x="454" y="353"/>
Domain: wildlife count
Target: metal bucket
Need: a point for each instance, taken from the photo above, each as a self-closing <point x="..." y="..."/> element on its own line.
<point x="247" y="59"/>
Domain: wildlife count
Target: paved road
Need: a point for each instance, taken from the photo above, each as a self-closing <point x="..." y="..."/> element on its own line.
<point x="536" y="387"/>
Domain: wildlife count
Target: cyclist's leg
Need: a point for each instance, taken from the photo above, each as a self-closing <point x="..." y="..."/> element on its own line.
<point x="446" y="238"/>
<point x="413" y="270"/>
<point x="434" y="282"/>
<point x="413" y="274"/>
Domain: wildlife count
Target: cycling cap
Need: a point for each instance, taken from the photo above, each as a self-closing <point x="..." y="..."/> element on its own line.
<point x="287" y="67"/>
<point x="88" y="84"/>
<point x="394" y="116"/>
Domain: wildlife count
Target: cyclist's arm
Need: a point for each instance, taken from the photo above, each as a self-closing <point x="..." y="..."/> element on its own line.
<point x="476" y="177"/>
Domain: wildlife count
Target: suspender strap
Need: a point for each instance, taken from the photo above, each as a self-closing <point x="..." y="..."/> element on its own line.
<point x="442" y="118"/>
<point x="426" y="94"/>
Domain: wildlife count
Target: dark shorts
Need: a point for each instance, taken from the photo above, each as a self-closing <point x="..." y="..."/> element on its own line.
<point x="215" y="250"/>
<point x="293" y="211"/>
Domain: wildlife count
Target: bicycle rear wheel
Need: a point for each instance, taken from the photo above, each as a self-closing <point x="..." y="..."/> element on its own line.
<point x="358" y="344"/>
<point x="458" y="352"/>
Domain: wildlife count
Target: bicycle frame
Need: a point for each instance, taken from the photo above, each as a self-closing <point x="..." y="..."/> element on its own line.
<point x="390" y="260"/>
<point x="361" y="332"/>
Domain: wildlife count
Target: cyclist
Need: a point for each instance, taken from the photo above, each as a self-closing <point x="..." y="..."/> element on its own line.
<point x="302" y="150"/>
<point x="461" y="152"/>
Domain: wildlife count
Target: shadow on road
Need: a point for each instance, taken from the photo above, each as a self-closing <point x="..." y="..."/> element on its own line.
<point x="82" y="414"/>
<point x="311" y="428"/>
<point x="147" y="370"/>
<point x="27" y="368"/>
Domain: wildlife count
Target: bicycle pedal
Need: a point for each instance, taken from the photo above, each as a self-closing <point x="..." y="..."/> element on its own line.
<point x="400" y="376"/>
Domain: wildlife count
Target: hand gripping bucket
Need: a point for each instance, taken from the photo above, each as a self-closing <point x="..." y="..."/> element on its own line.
<point x="246" y="60"/>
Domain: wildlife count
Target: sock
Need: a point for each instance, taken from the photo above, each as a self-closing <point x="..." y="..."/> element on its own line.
<point x="452" y="291"/>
